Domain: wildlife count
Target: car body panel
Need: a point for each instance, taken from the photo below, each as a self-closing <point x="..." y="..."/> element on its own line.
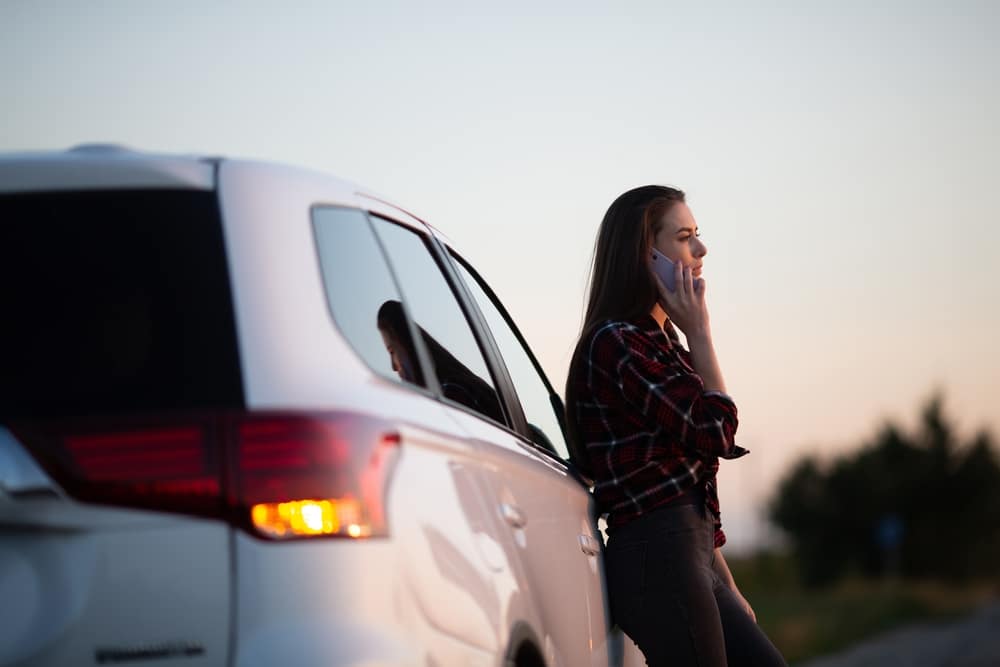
<point x="81" y="581"/>
<point x="545" y="512"/>
<point x="291" y="352"/>
<point x="436" y="578"/>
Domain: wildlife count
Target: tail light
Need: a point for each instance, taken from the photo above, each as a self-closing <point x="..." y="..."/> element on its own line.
<point x="313" y="476"/>
<point x="276" y="475"/>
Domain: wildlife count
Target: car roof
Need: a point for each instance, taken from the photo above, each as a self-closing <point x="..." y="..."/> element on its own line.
<point x="102" y="166"/>
<point x="98" y="166"/>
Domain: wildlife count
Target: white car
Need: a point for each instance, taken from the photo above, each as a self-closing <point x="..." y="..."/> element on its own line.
<point x="252" y="415"/>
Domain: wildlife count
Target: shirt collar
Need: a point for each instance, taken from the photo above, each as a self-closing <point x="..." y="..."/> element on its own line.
<point x="648" y="325"/>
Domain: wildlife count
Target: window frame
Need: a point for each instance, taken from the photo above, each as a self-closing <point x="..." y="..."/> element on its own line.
<point x="523" y="431"/>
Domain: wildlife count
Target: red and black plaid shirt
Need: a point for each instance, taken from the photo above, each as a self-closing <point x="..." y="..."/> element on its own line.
<point x="650" y="429"/>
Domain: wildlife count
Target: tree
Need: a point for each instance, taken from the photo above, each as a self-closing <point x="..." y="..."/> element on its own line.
<point x="923" y="504"/>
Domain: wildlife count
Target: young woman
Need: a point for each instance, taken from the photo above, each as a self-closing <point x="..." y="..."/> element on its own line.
<point x="649" y="421"/>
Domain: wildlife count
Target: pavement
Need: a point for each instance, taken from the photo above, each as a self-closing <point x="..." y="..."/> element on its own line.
<point x="973" y="641"/>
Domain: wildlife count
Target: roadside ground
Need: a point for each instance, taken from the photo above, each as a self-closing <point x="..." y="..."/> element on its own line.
<point x="972" y="641"/>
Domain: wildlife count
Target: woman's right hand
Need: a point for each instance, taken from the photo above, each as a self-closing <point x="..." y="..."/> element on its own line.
<point x="686" y="307"/>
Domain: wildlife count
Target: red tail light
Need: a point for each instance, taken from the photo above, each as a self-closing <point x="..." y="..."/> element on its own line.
<point x="277" y="475"/>
<point x="313" y="475"/>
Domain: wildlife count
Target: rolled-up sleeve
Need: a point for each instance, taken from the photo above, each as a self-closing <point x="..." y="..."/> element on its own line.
<point x="672" y="398"/>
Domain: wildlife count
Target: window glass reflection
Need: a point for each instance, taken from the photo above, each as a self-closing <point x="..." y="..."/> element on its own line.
<point x="444" y="331"/>
<point x="358" y="283"/>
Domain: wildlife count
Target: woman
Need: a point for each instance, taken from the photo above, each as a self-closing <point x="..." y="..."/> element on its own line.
<point x="649" y="422"/>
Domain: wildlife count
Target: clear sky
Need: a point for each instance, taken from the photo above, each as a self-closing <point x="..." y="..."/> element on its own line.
<point x="841" y="159"/>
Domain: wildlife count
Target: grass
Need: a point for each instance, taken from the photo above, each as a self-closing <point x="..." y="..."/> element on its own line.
<point x="805" y="623"/>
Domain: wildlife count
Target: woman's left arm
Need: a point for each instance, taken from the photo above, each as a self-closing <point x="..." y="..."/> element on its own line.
<point x="721" y="568"/>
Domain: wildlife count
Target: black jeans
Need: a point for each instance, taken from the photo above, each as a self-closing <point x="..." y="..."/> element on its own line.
<point x="665" y="595"/>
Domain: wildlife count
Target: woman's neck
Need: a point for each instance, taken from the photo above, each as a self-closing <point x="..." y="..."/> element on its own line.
<point x="659" y="314"/>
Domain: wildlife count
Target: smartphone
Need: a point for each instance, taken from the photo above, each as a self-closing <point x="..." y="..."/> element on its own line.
<point x="664" y="268"/>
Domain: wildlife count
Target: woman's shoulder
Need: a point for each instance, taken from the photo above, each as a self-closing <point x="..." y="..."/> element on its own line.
<point x="618" y="328"/>
<point x="613" y="333"/>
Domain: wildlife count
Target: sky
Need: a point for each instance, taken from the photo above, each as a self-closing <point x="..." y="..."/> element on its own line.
<point x="840" y="158"/>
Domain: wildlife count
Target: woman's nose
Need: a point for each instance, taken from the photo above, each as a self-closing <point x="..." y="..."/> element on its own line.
<point x="700" y="249"/>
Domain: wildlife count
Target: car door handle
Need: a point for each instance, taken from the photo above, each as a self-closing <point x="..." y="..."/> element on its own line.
<point x="513" y="515"/>
<point x="589" y="545"/>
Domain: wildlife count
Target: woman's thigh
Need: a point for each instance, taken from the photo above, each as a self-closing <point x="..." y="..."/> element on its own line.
<point x="746" y="643"/>
<point x="661" y="594"/>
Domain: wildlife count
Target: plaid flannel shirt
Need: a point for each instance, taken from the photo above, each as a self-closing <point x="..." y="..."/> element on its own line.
<point x="650" y="429"/>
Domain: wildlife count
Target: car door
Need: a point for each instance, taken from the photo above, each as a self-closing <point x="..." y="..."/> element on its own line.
<point x="546" y="506"/>
<point x="430" y="342"/>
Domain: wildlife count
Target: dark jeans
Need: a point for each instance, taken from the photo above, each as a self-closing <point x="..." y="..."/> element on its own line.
<point x="665" y="595"/>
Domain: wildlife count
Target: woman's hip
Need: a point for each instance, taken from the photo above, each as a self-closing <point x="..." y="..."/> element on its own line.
<point x="664" y="548"/>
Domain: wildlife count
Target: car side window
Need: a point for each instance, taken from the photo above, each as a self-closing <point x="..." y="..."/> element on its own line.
<point x="439" y="322"/>
<point x="361" y="293"/>
<point x="532" y="390"/>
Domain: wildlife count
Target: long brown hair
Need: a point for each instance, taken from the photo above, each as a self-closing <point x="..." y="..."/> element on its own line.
<point x="621" y="286"/>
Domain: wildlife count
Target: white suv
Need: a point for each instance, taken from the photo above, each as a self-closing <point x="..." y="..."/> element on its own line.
<point x="251" y="415"/>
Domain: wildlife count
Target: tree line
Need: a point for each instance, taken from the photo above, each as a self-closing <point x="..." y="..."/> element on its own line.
<point x="921" y="504"/>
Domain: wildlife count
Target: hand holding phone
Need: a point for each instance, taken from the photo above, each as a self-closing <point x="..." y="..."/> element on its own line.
<point x="664" y="268"/>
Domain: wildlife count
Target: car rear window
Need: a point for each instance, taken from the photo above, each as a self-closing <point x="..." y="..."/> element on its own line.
<point x="114" y="302"/>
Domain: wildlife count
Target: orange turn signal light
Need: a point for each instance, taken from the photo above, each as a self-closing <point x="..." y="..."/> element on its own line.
<point x="303" y="518"/>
